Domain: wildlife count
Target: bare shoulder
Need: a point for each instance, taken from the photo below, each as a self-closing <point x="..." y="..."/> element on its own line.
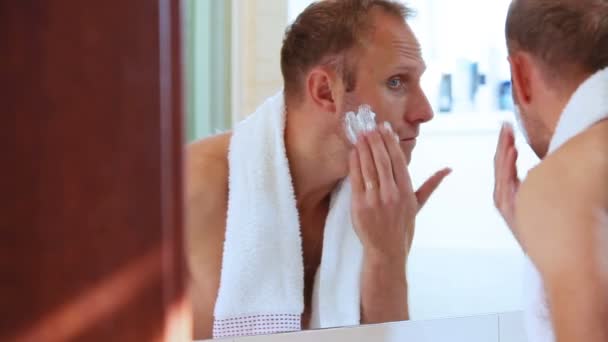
<point x="206" y="196"/>
<point x="206" y="163"/>
<point x="581" y="161"/>
<point x="207" y="189"/>
<point x="578" y="170"/>
<point x="590" y="147"/>
<point x="206" y="206"/>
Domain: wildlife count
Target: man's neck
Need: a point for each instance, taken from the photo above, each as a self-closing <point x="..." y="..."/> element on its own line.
<point x="556" y="106"/>
<point x="318" y="158"/>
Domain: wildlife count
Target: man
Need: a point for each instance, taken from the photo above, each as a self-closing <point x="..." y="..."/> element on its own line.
<point x="337" y="55"/>
<point x="558" y="51"/>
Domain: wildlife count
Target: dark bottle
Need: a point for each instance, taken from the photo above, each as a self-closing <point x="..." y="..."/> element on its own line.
<point x="445" y="94"/>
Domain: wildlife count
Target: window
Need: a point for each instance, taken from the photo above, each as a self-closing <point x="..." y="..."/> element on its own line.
<point x="208" y="68"/>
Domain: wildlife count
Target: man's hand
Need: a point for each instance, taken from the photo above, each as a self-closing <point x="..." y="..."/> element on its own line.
<point x="506" y="181"/>
<point x="384" y="208"/>
<point x="384" y="205"/>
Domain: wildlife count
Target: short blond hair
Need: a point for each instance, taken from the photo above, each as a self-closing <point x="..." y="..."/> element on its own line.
<point x="566" y="35"/>
<point x="324" y="33"/>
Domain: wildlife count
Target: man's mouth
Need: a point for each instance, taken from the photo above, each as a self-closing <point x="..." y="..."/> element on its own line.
<point x="408" y="143"/>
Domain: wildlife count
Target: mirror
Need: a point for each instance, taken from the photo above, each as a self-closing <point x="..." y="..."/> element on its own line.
<point x="463" y="259"/>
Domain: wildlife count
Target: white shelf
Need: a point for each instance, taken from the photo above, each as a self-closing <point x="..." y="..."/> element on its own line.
<point x="470" y="122"/>
<point x="501" y="327"/>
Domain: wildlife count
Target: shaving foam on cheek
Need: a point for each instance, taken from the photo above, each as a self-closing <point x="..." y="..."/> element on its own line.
<point x="356" y="123"/>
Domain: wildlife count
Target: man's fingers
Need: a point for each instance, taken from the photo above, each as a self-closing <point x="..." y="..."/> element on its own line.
<point x="504" y="181"/>
<point x="356" y="179"/>
<point x="427" y="189"/>
<point x="499" y="156"/>
<point x="402" y="179"/>
<point x="509" y="172"/>
<point x="505" y="171"/>
<point x="506" y="140"/>
<point x="499" y="145"/>
<point x="368" y="168"/>
<point x="507" y="187"/>
<point x="514" y="166"/>
<point x="383" y="163"/>
<point x="513" y="178"/>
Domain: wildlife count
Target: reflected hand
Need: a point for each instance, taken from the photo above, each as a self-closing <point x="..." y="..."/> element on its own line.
<point x="384" y="205"/>
<point x="506" y="181"/>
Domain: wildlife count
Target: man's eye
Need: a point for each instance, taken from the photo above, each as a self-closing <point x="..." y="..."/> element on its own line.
<point x="395" y="83"/>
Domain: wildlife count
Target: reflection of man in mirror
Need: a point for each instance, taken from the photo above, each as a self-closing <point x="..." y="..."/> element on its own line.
<point x="558" y="51"/>
<point x="290" y="225"/>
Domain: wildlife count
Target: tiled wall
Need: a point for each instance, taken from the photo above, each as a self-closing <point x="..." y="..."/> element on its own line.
<point x="261" y="26"/>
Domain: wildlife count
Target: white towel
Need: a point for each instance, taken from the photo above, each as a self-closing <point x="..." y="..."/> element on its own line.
<point x="588" y="106"/>
<point x="262" y="278"/>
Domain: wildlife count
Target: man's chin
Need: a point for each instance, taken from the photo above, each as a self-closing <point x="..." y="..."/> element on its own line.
<point x="407" y="146"/>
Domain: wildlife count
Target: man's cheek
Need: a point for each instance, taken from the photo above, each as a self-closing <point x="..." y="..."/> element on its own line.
<point x="389" y="111"/>
<point x="396" y="101"/>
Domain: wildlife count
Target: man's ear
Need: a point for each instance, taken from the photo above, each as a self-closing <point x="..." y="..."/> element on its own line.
<point x="521" y="77"/>
<point x="321" y="86"/>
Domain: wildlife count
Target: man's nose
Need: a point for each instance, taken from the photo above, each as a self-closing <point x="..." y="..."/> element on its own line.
<point x="419" y="109"/>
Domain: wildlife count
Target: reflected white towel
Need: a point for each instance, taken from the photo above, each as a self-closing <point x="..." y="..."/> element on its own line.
<point x="262" y="279"/>
<point x="588" y="106"/>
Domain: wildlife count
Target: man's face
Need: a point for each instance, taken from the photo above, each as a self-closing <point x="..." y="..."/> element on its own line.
<point x="388" y="72"/>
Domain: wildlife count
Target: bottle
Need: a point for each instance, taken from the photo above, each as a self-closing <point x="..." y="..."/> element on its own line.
<point x="445" y="94"/>
<point x="505" y="96"/>
<point x="483" y="98"/>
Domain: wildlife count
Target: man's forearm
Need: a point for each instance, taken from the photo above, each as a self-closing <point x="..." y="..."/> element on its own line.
<point x="384" y="296"/>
